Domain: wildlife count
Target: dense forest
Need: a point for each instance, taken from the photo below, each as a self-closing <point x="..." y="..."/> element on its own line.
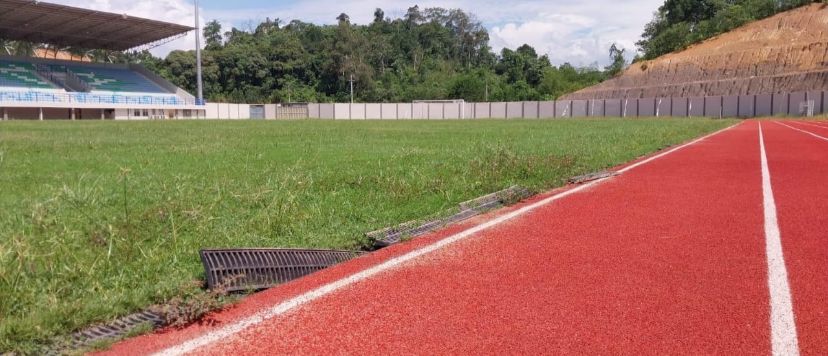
<point x="431" y="53"/>
<point x="680" y="23"/>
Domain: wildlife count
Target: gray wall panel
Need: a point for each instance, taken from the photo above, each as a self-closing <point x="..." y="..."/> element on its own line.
<point x="629" y="108"/>
<point x="326" y="111"/>
<point x="746" y="108"/>
<point x="563" y="108"/>
<point x="713" y="106"/>
<point x="373" y="111"/>
<point x="435" y="111"/>
<point x="763" y="105"/>
<point x="596" y="108"/>
<point x="314" y="111"/>
<point x="579" y="108"/>
<point x="613" y="107"/>
<point x="795" y="104"/>
<point x="530" y="109"/>
<point x="664" y="107"/>
<point x="342" y="111"/>
<point x="358" y="111"/>
<point x="695" y="107"/>
<point x="419" y="111"/>
<point x="481" y="110"/>
<point x="646" y="107"/>
<point x="452" y="110"/>
<point x="730" y="106"/>
<point x="498" y="110"/>
<point x="547" y="109"/>
<point x="514" y="110"/>
<point x="780" y="104"/>
<point x="680" y="107"/>
<point x="816" y="96"/>
<point x="389" y="111"/>
<point x="404" y="111"/>
<point x="468" y="111"/>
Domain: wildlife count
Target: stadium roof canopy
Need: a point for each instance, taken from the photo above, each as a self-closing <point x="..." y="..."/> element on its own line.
<point x="39" y="22"/>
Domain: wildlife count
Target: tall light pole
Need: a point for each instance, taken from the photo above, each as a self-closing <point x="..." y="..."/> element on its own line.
<point x="198" y="57"/>
<point x="352" y="88"/>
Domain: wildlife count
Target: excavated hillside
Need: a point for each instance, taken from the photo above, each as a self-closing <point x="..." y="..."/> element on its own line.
<point x="783" y="53"/>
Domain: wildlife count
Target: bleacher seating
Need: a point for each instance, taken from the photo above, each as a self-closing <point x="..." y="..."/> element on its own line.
<point x="115" y="80"/>
<point x="21" y="75"/>
<point x="47" y="81"/>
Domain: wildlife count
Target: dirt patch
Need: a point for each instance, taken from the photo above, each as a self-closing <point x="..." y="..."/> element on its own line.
<point x="784" y="53"/>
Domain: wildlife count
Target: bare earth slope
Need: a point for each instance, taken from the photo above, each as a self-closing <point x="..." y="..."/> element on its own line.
<point x="783" y="53"/>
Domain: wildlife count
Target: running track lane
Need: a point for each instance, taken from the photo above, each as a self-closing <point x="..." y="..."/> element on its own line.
<point x="799" y="166"/>
<point x="668" y="258"/>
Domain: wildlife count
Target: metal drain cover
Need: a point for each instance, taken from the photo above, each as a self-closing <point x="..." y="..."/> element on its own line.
<point x="392" y="235"/>
<point x="251" y="269"/>
<point x="114" y="330"/>
<point x="591" y="177"/>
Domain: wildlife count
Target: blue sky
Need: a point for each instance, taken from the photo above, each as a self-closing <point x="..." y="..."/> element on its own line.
<point x="579" y="32"/>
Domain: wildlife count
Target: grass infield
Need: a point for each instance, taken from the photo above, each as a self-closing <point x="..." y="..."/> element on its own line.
<point x="99" y="219"/>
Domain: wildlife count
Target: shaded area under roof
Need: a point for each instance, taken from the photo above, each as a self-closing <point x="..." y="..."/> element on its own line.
<point x="39" y="22"/>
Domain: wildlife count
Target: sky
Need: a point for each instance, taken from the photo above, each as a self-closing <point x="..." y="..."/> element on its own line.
<point x="578" y="32"/>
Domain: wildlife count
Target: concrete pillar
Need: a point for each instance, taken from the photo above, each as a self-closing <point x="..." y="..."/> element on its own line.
<point x="40" y="114"/>
<point x="102" y="114"/>
<point x="5" y="113"/>
<point x="72" y="113"/>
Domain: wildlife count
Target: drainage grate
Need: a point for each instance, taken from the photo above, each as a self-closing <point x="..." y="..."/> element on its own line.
<point x="392" y="235"/>
<point x="114" y="330"/>
<point x="251" y="269"/>
<point x="591" y="177"/>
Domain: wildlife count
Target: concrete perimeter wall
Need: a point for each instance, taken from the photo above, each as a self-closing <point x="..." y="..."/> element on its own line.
<point x="744" y="106"/>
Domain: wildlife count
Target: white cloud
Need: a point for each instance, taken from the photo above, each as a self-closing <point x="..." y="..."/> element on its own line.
<point x="568" y="31"/>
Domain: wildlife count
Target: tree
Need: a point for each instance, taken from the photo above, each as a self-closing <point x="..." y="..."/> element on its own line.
<point x="212" y="35"/>
<point x="379" y="16"/>
<point x="616" y="55"/>
<point x="343" y="19"/>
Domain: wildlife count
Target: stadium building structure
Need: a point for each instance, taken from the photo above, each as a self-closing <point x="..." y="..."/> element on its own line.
<point x="41" y="88"/>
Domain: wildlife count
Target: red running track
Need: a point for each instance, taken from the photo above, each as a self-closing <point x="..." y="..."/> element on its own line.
<point x="799" y="165"/>
<point x="667" y="258"/>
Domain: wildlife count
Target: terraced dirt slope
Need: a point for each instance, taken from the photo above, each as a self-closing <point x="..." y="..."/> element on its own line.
<point x="783" y="53"/>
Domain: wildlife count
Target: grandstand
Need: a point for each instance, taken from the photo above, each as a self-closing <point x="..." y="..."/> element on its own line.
<point x="41" y="88"/>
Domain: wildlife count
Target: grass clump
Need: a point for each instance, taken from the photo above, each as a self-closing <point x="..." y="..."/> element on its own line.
<point x="101" y="219"/>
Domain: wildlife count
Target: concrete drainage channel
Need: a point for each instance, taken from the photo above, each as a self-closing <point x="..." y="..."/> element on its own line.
<point x="235" y="270"/>
<point x="395" y="234"/>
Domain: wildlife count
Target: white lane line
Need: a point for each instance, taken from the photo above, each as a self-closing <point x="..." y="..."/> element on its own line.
<point x="279" y="309"/>
<point x="810" y="124"/>
<point x="783" y="325"/>
<point x="820" y="123"/>
<point x="800" y="130"/>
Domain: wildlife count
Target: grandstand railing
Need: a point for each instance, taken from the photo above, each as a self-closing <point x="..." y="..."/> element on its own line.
<point x="92" y="98"/>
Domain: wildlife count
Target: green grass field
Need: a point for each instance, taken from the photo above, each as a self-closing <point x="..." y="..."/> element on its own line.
<point x="103" y="218"/>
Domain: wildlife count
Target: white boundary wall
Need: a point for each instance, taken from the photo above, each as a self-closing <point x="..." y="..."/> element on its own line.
<point x="716" y="106"/>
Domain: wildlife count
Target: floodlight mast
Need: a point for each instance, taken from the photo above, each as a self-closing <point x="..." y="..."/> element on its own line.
<point x="198" y="57"/>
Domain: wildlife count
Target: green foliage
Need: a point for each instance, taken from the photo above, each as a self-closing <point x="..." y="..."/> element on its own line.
<point x="680" y="23"/>
<point x="432" y="53"/>
<point x="618" y="61"/>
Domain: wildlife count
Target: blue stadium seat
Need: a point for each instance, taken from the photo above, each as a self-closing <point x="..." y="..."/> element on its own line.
<point x="21" y="75"/>
<point x="115" y="80"/>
